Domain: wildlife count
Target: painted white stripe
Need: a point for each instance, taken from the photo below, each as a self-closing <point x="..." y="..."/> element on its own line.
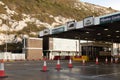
<point x="106" y="74"/>
<point x="26" y="64"/>
<point x="8" y="64"/>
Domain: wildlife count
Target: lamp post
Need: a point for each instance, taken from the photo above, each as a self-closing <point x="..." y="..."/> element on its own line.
<point x="7" y="29"/>
<point x="6" y="42"/>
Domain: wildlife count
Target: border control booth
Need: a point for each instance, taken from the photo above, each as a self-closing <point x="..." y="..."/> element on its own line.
<point x="104" y="29"/>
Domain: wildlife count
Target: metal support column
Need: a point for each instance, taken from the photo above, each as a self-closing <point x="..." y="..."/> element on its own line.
<point x="45" y="47"/>
<point x="24" y="45"/>
<point x="118" y="49"/>
<point x="76" y="46"/>
<point x="112" y="53"/>
<point x="87" y="49"/>
<point x="24" y="48"/>
<point x="79" y="47"/>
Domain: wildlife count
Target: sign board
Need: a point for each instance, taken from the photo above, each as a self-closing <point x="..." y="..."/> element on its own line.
<point x="71" y="25"/>
<point x="40" y="33"/>
<point x="109" y="19"/>
<point x="105" y="20"/>
<point x="88" y="21"/>
<point x="58" y="30"/>
<point x="46" y="31"/>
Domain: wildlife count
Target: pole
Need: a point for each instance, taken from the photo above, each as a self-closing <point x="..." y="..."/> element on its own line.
<point x="76" y="46"/>
<point x="6" y="42"/>
<point x="112" y="53"/>
<point x="87" y="49"/>
<point x="118" y="49"/>
<point x="24" y="42"/>
<point x="79" y="47"/>
<point x="6" y="37"/>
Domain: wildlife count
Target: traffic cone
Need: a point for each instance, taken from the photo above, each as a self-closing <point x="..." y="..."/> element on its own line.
<point x="8" y="60"/>
<point x="70" y="64"/>
<point x="111" y="60"/>
<point x="83" y="61"/>
<point x="106" y="60"/>
<point x="44" y="68"/>
<point x="97" y="60"/>
<point x="116" y="60"/>
<point x="58" y="66"/>
<point x="2" y="71"/>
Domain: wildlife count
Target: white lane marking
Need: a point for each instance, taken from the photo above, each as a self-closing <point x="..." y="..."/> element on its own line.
<point x="106" y="75"/>
<point x="92" y="65"/>
<point x="77" y="75"/>
<point x="26" y="64"/>
<point x="8" y="64"/>
<point x="89" y="66"/>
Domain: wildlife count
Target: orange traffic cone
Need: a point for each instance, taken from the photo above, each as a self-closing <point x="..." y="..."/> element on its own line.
<point x="2" y="71"/>
<point x="44" y="68"/>
<point x="58" y="66"/>
<point x="106" y="60"/>
<point x="97" y="60"/>
<point x="70" y="64"/>
<point x="111" y="60"/>
<point x="8" y="60"/>
<point x="83" y="62"/>
<point x="116" y="60"/>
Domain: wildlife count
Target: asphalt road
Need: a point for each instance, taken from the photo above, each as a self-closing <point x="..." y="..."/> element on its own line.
<point x="31" y="70"/>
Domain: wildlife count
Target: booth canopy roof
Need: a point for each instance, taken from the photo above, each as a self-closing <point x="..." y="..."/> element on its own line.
<point x="109" y="32"/>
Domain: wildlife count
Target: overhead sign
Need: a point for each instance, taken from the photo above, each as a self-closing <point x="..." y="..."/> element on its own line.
<point x="109" y="19"/>
<point x="40" y="33"/>
<point x="88" y="21"/>
<point x="105" y="20"/>
<point x="71" y="25"/>
<point x="58" y="30"/>
<point x="46" y="31"/>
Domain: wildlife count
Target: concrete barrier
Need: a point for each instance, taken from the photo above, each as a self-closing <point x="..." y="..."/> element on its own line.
<point x="18" y="56"/>
<point x="8" y="56"/>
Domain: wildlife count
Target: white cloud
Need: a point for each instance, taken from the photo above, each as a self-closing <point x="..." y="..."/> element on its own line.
<point x="115" y="4"/>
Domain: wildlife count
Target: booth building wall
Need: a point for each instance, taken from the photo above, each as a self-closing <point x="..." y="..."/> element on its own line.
<point x="34" y="54"/>
<point x="34" y="43"/>
<point x="34" y="48"/>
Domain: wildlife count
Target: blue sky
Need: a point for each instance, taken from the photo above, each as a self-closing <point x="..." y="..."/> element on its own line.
<point x="115" y="4"/>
